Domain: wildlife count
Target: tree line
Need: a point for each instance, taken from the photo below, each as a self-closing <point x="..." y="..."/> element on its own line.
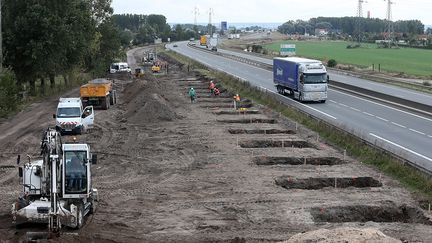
<point x="351" y="26"/>
<point x="47" y="39"/>
<point x="140" y="29"/>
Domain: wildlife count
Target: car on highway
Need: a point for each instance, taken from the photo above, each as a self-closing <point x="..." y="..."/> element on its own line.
<point x="175" y="45"/>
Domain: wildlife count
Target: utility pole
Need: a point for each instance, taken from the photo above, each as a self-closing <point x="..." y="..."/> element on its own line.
<point x="210" y="29"/>
<point x="389" y="28"/>
<point x="359" y="19"/>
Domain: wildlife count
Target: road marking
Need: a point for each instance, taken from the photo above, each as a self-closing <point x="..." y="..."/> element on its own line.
<point x="343" y="105"/>
<point x="369" y="114"/>
<point x="399" y="125"/>
<point x="401" y="147"/>
<point x="430" y="136"/>
<point x="302" y="104"/>
<point x="383" y="119"/>
<point x="412" y="130"/>
<point x="389" y="107"/>
<point x="352" y="108"/>
<point x="333" y="101"/>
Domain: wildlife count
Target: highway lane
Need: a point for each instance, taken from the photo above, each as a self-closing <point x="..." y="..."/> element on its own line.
<point x="406" y="134"/>
<point x="363" y="83"/>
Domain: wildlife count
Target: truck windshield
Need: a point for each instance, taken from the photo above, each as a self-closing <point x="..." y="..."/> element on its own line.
<point x="115" y="66"/>
<point x="315" y="78"/>
<point x="68" y="112"/>
<point x="75" y="172"/>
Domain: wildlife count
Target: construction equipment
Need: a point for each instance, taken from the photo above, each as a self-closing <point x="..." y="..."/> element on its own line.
<point x="139" y="72"/>
<point x="98" y="92"/>
<point x="156" y="68"/>
<point x="57" y="189"/>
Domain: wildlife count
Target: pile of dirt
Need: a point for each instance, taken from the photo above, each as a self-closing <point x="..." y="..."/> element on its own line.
<point x="346" y="234"/>
<point x="145" y="102"/>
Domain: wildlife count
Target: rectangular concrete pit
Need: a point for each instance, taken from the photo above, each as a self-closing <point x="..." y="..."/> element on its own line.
<point x="237" y="112"/>
<point x="260" y="131"/>
<point x="225" y="105"/>
<point x="219" y="100"/>
<point x="298" y="161"/>
<point x="250" y="120"/>
<point x="276" y="144"/>
<point x="319" y="183"/>
<point x="388" y="212"/>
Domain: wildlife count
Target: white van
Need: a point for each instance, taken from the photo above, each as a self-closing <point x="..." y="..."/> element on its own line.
<point x="72" y="118"/>
<point x="120" y="67"/>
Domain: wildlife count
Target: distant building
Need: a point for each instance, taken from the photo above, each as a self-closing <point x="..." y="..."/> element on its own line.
<point x="321" y="32"/>
<point x="224" y="26"/>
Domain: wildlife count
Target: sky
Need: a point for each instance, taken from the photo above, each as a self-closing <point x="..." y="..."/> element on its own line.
<point x="272" y="11"/>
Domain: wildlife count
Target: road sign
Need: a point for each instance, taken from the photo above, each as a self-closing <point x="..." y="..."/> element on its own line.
<point x="287" y="49"/>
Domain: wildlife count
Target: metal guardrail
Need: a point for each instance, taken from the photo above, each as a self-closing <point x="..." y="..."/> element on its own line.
<point x="339" y="127"/>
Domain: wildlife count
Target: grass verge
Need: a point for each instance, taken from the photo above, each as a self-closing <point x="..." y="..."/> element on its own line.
<point x="416" y="181"/>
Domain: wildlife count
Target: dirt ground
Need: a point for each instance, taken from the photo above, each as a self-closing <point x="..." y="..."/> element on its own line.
<point x="172" y="171"/>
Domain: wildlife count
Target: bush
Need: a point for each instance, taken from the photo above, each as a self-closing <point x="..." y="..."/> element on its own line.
<point x="331" y="63"/>
<point x="9" y="99"/>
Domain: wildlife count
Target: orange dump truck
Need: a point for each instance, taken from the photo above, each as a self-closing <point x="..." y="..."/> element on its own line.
<point x="98" y="92"/>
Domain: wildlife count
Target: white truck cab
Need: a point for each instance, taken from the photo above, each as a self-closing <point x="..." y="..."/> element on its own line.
<point x="71" y="117"/>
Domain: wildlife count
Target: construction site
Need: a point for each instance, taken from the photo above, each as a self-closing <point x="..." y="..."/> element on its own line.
<point x="169" y="170"/>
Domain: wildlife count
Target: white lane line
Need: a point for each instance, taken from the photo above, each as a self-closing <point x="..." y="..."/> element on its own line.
<point x="343" y="105"/>
<point x="332" y="101"/>
<point x="399" y="125"/>
<point x="383" y="119"/>
<point x="355" y="109"/>
<point x="413" y="130"/>
<point x="386" y="106"/>
<point x="332" y="117"/>
<point x="430" y="136"/>
<point x="401" y="147"/>
<point x="369" y="114"/>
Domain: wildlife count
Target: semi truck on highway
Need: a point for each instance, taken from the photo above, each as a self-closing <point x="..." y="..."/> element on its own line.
<point x="305" y="79"/>
<point x="203" y="40"/>
<point x="212" y="43"/>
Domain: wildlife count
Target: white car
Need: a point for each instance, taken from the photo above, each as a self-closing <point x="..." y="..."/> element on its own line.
<point x="71" y="117"/>
<point x="120" y="67"/>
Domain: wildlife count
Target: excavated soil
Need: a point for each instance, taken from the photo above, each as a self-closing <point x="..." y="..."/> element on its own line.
<point x="171" y="171"/>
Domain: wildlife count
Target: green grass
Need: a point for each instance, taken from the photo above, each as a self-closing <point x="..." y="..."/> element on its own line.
<point x="407" y="60"/>
<point x="414" y="180"/>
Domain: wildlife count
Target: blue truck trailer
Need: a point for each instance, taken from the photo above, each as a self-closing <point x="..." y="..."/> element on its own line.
<point x="304" y="79"/>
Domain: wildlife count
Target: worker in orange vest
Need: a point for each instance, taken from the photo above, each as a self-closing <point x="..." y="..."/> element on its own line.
<point x="216" y="91"/>
<point x="236" y="101"/>
<point x="211" y="87"/>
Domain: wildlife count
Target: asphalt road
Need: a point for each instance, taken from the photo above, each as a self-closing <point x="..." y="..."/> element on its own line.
<point x="405" y="134"/>
<point x="365" y="84"/>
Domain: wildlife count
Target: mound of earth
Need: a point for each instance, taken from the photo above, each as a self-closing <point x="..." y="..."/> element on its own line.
<point x="345" y="234"/>
<point x="146" y="102"/>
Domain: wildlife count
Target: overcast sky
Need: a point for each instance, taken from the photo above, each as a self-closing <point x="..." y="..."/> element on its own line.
<point x="272" y="11"/>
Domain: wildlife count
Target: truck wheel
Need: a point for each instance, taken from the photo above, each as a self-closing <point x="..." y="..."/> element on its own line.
<point x="323" y="101"/>
<point x="105" y="103"/>
<point x="111" y="98"/>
